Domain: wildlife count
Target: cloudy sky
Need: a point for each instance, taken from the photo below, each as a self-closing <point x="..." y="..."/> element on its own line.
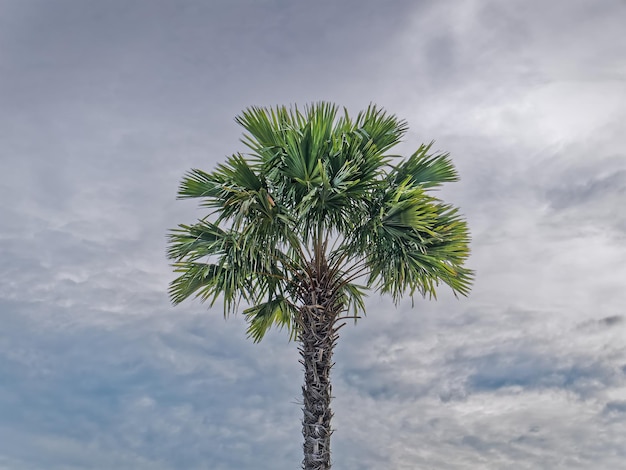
<point x="105" y="104"/>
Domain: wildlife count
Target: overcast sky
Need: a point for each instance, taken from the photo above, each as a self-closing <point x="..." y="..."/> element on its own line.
<point x="105" y="104"/>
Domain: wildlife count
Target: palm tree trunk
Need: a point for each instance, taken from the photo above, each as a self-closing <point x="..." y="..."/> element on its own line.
<point x="317" y="340"/>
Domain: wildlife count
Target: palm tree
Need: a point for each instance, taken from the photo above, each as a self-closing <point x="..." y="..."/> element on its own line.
<point x="316" y="214"/>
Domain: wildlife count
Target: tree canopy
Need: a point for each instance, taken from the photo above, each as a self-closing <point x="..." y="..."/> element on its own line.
<point x="318" y="190"/>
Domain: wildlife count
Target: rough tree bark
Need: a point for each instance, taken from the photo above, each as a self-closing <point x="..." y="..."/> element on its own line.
<point x="318" y="336"/>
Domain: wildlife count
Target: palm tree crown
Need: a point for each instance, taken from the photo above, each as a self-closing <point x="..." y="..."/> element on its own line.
<point x="318" y="187"/>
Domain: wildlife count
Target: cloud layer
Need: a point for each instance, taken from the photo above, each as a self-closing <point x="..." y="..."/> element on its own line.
<point x="104" y="107"/>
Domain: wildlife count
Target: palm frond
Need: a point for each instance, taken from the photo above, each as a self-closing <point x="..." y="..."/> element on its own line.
<point x="198" y="183"/>
<point x="413" y="242"/>
<point x="353" y="298"/>
<point x="277" y="311"/>
<point x="206" y="280"/>
<point x="382" y="129"/>
<point x="196" y="241"/>
<point x="425" y="169"/>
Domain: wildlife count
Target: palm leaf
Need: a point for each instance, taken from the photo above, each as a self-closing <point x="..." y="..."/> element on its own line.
<point x="277" y="311"/>
<point x="424" y="169"/>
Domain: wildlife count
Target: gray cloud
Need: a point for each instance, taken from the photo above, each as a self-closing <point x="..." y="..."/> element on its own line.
<point x="596" y="188"/>
<point x="615" y="407"/>
<point x="104" y="107"/>
<point x="497" y="371"/>
<point x="135" y="390"/>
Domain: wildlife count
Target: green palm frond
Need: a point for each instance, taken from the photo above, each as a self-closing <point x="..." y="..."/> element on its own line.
<point x="412" y="243"/>
<point x="354" y="298"/>
<point x="207" y="281"/>
<point x="425" y="169"/>
<point x="193" y="242"/>
<point x="198" y="183"/>
<point x="382" y="129"/>
<point x="277" y="311"/>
